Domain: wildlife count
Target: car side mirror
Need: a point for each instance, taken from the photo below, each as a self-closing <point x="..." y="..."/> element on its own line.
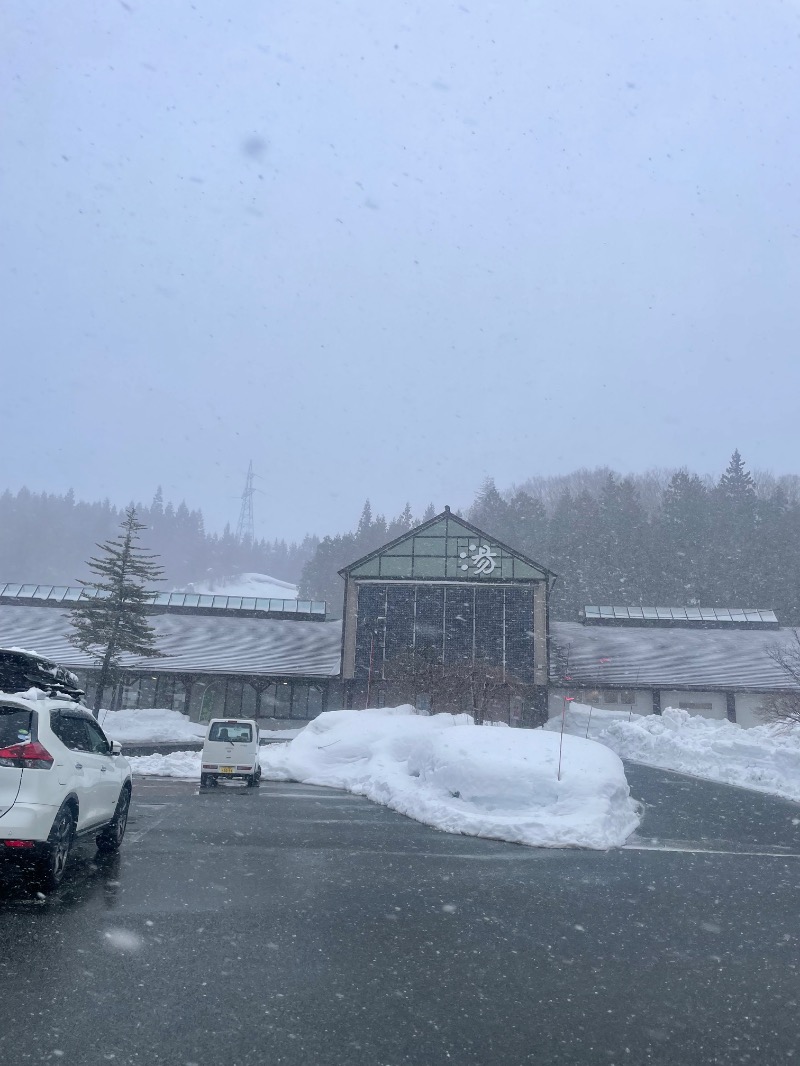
<point x="116" y="747"/>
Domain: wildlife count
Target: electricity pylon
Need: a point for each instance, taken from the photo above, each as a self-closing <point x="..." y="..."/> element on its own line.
<point x="245" y="528"/>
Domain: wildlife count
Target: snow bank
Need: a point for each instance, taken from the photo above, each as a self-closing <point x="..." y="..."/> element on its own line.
<point x="185" y="764"/>
<point x="156" y="725"/>
<point x="445" y="772"/>
<point x="765" y="758"/>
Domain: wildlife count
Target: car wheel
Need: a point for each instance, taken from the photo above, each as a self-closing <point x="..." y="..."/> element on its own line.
<point x="252" y="780"/>
<point x="207" y="781"/>
<point x="111" y="837"/>
<point x="53" y="863"/>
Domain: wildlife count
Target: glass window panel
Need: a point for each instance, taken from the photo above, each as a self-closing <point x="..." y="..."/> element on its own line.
<point x="399" y="621"/>
<point x="287" y="606"/>
<point x="368" y="569"/>
<point x="234" y="603"/>
<point x="41" y="591"/>
<point x="304" y="606"/>
<point x="428" y="567"/>
<point x="430" y="546"/>
<point x="27" y="590"/>
<point x="458" y="621"/>
<point x="404" y="548"/>
<point x="519" y="633"/>
<point x="592" y="612"/>
<point x="397" y="566"/>
<point x="179" y="698"/>
<point x="12" y="590"/>
<point x="263" y="605"/>
<point x="649" y="613"/>
<point x="233" y="699"/>
<point x="250" y="700"/>
<point x="708" y="614"/>
<point x="191" y="601"/>
<point x="429" y="623"/>
<point x="130" y="693"/>
<point x="606" y="612"/>
<point x="206" y="601"/>
<point x="316" y="696"/>
<point x="693" y="613"/>
<point x="276" y="700"/>
<point x="57" y="592"/>
<point x="72" y="594"/>
<point x="489" y="626"/>
<point x="147" y="691"/>
<point x="248" y="603"/>
<point x="299" y="699"/>
<point x="664" y="613"/>
<point x="175" y="599"/>
<point x="219" y="601"/>
<point x="370" y="629"/>
<point x="163" y="599"/>
<point x="318" y="607"/>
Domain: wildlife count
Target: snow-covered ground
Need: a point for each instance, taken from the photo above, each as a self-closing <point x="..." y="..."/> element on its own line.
<point x="246" y="585"/>
<point x="765" y="758"/>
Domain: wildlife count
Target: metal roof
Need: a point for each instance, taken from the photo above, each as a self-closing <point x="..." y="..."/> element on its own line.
<point x="650" y="657"/>
<point x="197" y="644"/>
<point x="67" y="595"/>
<point x="729" y="616"/>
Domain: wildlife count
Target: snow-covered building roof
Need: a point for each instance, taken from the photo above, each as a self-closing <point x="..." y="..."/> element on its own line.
<point x="195" y="602"/>
<point x="193" y="643"/>
<point x="674" y="657"/>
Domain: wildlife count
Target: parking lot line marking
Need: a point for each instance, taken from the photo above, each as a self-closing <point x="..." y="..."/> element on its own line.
<point x="709" y="851"/>
<point x="137" y="835"/>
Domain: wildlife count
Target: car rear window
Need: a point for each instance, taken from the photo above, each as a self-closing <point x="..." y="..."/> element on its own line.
<point x="16" y="724"/>
<point x="234" y="733"/>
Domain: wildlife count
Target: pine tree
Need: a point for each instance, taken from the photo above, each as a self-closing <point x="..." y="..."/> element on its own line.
<point x="115" y="621"/>
<point x="365" y="521"/>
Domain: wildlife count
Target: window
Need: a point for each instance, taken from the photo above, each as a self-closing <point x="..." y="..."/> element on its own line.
<point x="97" y="738"/>
<point x="232" y="732"/>
<point x="696" y="706"/>
<point x="15" y="725"/>
<point x="71" y="731"/>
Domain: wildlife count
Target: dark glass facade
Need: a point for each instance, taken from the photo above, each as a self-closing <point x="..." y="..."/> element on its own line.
<point x="445" y="623"/>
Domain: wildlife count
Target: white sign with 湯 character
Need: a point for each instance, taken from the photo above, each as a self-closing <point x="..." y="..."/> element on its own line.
<point x="482" y="558"/>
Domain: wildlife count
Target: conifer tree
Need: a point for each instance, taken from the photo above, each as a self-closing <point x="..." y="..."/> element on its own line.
<point x="114" y="621"/>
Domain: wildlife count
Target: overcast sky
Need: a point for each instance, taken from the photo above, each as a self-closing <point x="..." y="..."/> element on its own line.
<point x="387" y="248"/>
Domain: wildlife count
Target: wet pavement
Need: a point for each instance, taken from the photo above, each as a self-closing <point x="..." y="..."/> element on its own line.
<point x="296" y="925"/>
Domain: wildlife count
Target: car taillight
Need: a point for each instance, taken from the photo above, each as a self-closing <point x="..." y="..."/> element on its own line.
<point x="30" y="756"/>
<point x="17" y="843"/>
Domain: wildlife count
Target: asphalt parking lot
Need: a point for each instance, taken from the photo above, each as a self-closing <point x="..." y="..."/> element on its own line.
<point x="297" y="925"/>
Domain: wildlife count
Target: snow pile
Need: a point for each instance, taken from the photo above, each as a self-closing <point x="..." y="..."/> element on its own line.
<point x="765" y="758"/>
<point x="246" y="585"/>
<point x="581" y="720"/>
<point x="184" y="764"/>
<point x="441" y="770"/>
<point x="152" y="725"/>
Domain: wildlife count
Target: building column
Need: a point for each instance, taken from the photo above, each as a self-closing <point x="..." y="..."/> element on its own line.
<point x="730" y="706"/>
<point x="656" y="701"/>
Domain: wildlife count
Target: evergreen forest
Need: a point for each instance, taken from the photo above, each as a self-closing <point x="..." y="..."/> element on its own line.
<point x="662" y="538"/>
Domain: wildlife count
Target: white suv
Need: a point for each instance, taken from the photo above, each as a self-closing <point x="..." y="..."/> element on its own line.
<point x="60" y="777"/>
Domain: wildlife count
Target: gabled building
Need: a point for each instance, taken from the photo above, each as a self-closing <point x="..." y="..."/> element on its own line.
<point x="447" y="593"/>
